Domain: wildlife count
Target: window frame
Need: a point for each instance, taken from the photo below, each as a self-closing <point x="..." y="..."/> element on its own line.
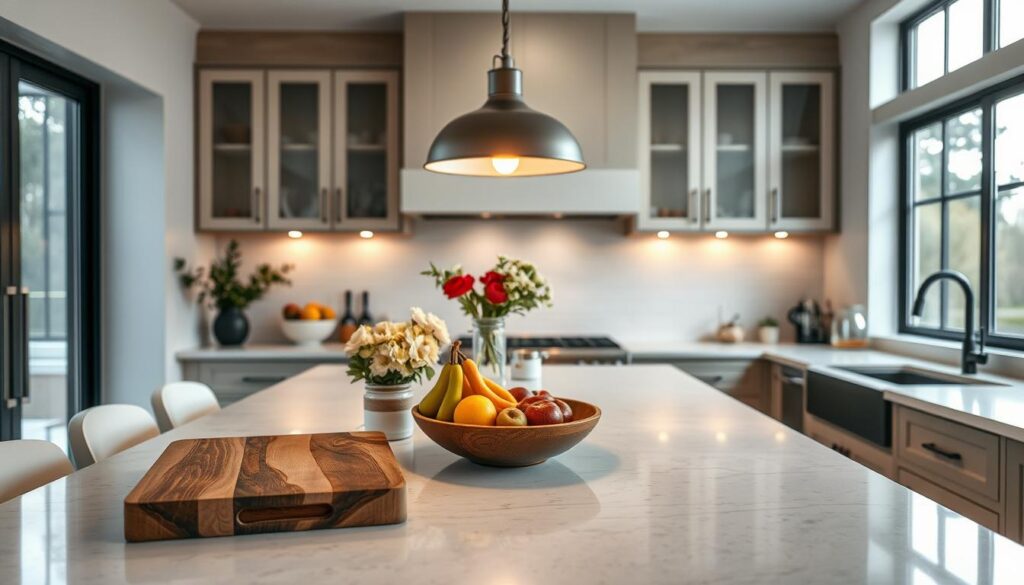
<point x="990" y="15"/>
<point x="985" y="292"/>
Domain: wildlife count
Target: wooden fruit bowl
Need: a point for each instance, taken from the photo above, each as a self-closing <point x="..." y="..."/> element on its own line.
<point x="512" y="446"/>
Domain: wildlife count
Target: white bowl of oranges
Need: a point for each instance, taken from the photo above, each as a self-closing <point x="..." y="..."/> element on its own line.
<point x="308" y="325"/>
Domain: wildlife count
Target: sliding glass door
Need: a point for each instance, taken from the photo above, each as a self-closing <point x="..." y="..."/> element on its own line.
<point x="48" y="251"/>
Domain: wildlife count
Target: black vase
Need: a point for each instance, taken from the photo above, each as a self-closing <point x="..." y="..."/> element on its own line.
<point x="231" y="327"/>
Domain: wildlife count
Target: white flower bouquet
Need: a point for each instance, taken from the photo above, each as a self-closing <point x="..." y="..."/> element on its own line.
<point x="392" y="353"/>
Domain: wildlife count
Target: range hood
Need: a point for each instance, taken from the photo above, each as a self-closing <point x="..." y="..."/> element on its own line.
<point x="579" y="68"/>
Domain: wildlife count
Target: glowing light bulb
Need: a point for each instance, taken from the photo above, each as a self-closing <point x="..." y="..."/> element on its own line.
<point x="505" y="165"/>
<point x="366" y="234"/>
<point x="721" y="235"/>
<point x="663" y="235"/>
<point x="294" y="234"/>
<point x="782" y="235"/>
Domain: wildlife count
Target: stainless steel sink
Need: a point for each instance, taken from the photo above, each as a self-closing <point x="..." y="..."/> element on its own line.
<point x="910" y="376"/>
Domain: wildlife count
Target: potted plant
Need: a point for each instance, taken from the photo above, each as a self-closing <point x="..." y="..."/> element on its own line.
<point x="220" y="287"/>
<point x="510" y="287"/>
<point x="768" y="330"/>
<point x="389" y="357"/>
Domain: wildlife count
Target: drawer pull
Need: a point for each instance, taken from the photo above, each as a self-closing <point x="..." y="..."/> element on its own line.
<point x="263" y="379"/>
<point x="941" y="452"/>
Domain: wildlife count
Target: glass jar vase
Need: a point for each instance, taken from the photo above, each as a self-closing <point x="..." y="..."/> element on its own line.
<point x="850" y="328"/>
<point x="388" y="409"/>
<point x="490" y="347"/>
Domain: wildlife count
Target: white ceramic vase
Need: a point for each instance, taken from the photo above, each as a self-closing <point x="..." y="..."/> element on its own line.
<point x="388" y="409"/>
<point x="768" y="334"/>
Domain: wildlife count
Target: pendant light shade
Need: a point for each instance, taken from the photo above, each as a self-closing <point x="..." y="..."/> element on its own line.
<point x="505" y="137"/>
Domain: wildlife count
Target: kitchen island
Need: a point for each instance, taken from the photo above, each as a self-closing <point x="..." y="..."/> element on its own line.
<point x="678" y="483"/>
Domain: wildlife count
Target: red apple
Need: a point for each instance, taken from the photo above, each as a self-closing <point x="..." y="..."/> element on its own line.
<point x="543" y="393"/>
<point x="544" y="412"/>
<point x="531" y="399"/>
<point x="511" y="417"/>
<point x="519" y="393"/>
<point x="566" y="409"/>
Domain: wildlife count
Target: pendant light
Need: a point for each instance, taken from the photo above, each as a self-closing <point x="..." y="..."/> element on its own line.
<point x="505" y="138"/>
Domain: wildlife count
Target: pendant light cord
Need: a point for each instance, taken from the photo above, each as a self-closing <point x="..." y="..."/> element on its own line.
<point x="504" y="29"/>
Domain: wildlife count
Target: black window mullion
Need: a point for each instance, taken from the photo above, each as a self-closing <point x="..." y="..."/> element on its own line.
<point x="945" y="39"/>
<point x="986" y="311"/>
<point x="944" y="233"/>
<point x="988" y="39"/>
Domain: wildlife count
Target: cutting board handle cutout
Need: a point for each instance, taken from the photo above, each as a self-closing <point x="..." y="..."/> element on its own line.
<point x="248" y="516"/>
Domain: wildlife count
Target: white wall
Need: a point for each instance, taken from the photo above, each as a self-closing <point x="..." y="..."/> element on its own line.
<point x="141" y="52"/>
<point x="634" y="288"/>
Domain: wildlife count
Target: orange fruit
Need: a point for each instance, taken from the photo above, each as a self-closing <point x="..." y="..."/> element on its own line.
<point x="311" y="312"/>
<point x="327" y="312"/>
<point x="475" y="410"/>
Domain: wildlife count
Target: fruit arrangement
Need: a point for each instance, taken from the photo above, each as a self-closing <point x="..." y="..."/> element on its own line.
<point x="310" y="312"/>
<point x="464" y="396"/>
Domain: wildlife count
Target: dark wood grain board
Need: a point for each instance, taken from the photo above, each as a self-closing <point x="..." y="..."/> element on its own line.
<point x="247" y="485"/>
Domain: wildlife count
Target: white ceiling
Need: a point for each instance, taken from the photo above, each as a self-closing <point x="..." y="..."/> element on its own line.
<point x="652" y="15"/>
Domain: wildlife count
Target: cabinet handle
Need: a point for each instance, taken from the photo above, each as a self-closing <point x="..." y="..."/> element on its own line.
<point x="774" y="203"/>
<point x="6" y="375"/>
<point x="256" y="204"/>
<point x="263" y="379"/>
<point x="23" y="333"/>
<point x="324" y="216"/>
<point x="694" y="205"/>
<point x="337" y="194"/>
<point x="707" y="206"/>
<point x="951" y="455"/>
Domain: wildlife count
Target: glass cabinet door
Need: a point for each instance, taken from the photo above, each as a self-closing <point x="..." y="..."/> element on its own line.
<point x="366" y="150"/>
<point x="801" y="151"/>
<point x="735" y="150"/>
<point x="669" y="157"/>
<point x="298" y="157"/>
<point x="231" y="194"/>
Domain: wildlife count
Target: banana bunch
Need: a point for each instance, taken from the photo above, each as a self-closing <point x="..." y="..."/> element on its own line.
<point x="460" y="378"/>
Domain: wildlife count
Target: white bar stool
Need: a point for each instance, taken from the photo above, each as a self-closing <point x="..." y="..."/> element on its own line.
<point x="28" y="464"/>
<point x="178" y="403"/>
<point x="103" y="431"/>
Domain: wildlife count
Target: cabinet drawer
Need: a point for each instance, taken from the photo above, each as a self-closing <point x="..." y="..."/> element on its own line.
<point x="869" y="455"/>
<point x="944" y="497"/>
<point x="233" y="381"/>
<point x="950" y="453"/>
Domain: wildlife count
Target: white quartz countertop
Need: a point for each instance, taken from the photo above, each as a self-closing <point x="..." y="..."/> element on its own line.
<point x="678" y="483"/>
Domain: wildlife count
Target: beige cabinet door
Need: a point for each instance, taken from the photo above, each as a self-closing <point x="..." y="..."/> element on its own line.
<point x="1014" y="524"/>
<point x="231" y="173"/>
<point x="669" y="152"/>
<point x="366" y="151"/>
<point x="801" y="150"/>
<point x="735" y="150"/>
<point x="298" y="150"/>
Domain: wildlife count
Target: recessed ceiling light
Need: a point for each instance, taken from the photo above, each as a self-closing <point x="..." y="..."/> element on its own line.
<point x="294" y="234"/>
<point x="366" y="234"/>
<point x="663" y="235"/>
<point x="782" y="235"/>
<point x="721" y="234"/>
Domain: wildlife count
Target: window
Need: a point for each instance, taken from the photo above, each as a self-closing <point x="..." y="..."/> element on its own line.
<point x="948" y="34"/>
<point x="963" y="200"/>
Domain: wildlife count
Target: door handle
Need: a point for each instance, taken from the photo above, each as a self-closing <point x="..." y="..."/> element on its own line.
<point x="773" y="201"/>
<point x="256" y="204"/>
<point x="23" y="332"/>
<point x="695" y="205"/>
<point x="263" y="379"/>
<point x="324" y="216"/>
<point x="707" y="205"/>
<point x="337" y="194"/>
<point x="951" y="455"/>
<point x="6" y="378"/>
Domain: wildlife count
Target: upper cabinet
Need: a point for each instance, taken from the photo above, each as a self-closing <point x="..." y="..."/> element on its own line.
<point x="736" y="151"/>
<point x="231" y="150"/>
<point x="298" y="149"/>
<point x="801" y="167"/>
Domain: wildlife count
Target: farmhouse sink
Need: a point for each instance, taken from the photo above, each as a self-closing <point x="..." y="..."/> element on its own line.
<point x="909" y="376"/>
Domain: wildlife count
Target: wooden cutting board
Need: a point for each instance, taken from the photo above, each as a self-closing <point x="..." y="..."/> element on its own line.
<point x="247" y="485"/>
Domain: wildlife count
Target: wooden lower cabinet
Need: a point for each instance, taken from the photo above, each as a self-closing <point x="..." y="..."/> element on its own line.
<point x="1013" y="522"/>
<point x="875" y="458"/>
<point x="966" y="508"/>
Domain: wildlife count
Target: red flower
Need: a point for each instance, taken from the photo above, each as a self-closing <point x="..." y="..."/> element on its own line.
<point x="495" y="291"/>
<point x="492" y="277"/>
<point x="458" y="286"/>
